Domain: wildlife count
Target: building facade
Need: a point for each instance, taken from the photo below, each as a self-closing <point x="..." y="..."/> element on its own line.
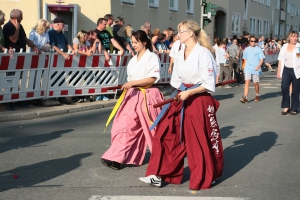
<point x="271" y="18"/>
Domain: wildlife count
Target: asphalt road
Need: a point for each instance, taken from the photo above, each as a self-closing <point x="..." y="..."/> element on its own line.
<point x="59" y="157"/>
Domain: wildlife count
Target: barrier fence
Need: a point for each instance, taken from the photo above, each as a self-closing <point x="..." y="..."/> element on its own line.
<point x="28" y="76"/>
<point x="271" y="57"/>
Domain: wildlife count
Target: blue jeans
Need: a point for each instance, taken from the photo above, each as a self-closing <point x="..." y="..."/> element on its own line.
<point x="288" y="77"/>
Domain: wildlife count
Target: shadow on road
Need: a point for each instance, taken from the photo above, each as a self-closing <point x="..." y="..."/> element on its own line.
<point x="29" y="141"/>
<point x="270" y="95"/>
<point x="243" y="151"/>
<point x="223" y="97"/>
<point x="31" y="175"/>
<point x="226" y="131"/>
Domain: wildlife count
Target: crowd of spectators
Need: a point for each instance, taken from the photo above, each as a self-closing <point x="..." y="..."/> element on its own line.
<point x="229" y="53"/>
<point x="110" y="35"/>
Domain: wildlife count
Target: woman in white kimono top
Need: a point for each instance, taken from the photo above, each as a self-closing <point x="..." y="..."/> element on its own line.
<point x="130" y="132"/>
<point x="189" y="126"/>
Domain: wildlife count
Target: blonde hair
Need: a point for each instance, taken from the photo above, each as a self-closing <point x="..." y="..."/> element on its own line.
<point x="128" y="31"/>
<point x="291" y="33"/>
<point x="156" y="32"/>
<point x="199" y="34"/>
<point x="80" y="35"/>
<point x="40" y="28"/>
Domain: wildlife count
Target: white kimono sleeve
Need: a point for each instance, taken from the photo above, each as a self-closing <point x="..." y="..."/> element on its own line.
<point x="208" y="71"/>
<point x="153" y="67"/>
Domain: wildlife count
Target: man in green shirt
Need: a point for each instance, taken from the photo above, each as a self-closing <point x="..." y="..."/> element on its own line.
<point x="110" y="21"/>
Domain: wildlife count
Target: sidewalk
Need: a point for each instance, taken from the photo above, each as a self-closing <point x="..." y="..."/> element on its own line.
<point x="28" y="112"/>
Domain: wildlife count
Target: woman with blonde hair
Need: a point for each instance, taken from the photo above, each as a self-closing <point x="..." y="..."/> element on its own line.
<point x="39" y="35"/>
<point x="289" y="72"/>
<point x="128" y="33"/>
<point x="154" y="37"/>
<point x="189" y="126"/>
<point x="82" y="45"/>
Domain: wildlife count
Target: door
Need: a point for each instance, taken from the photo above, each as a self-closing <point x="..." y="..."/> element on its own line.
<point x="67" y="17"/>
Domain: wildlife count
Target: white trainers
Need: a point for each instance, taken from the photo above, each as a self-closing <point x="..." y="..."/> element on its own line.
<point x="152" y="180"/>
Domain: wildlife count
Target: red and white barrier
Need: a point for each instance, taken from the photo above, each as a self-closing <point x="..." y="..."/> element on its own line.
<point x="83" y="75"/>
<point x="165" y="77"/>
<point x="29" y="76"/>
<point x="23" y="77"/>
<point x="271" y="57"/>
<point x="123" y="69"/>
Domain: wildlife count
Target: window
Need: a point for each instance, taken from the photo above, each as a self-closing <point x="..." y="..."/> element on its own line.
<point x="261" y="1"/>
<point x="252" y="25"/>
<point x="266" y="26"/>
<point x="292" y="10"/>
<point x="288" y="7"/>
<point x="173" y="5"/>
<point x="287" y="29"/>
<point x="246" y="10"/>
<point x="298" y="11"/>
<point x="235" y="22"/>
<point x="254" y="0"/>
<point x="153" y="3"/>
<point x="267" y="2"/>
<point x="128" y="2"/>
<point x="276" y="28"/>
<point x="281" y="30"/>
<point x="259" y="26"/>
<point x="272" y="16"/>
<point x="277" y="4"/>
<point x="295" y="28"/>
<point x="190" y="6"/>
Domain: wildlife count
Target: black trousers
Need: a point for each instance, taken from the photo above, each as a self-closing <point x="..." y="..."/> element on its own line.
<point x="288" y="77"/>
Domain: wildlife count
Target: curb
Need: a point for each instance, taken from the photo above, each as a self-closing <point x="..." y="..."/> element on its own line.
<point x="42" y="112"/>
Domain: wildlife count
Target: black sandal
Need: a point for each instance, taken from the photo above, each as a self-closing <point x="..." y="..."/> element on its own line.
<point x="111" y="164"/>
<point x="285" y="112"/>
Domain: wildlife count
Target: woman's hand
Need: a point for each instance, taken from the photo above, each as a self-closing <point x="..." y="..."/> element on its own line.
<point x="170" y="70"/>
<point x="127" y="86"/>
<point x="278" y="74"/>
<point x="183" y="95"/>
<point x="89" y="53"/>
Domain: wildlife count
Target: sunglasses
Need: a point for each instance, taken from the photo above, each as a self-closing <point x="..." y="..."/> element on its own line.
<point x="252" y="41"/>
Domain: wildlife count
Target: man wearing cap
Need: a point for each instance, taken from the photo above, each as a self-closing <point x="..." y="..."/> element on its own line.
<point x="58" y="40"/>
<point x="60" y="44"/>
<point x="14" y="34"/>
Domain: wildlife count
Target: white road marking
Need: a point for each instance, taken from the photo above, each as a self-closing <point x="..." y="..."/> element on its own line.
<point x="265" y="84"/>
<point x="266" y="87"/>
<point x="270" y="87"/>
<point x="95" y="197"/>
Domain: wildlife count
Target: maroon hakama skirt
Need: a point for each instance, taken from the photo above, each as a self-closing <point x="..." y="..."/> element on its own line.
<point x="201" y="142"/>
